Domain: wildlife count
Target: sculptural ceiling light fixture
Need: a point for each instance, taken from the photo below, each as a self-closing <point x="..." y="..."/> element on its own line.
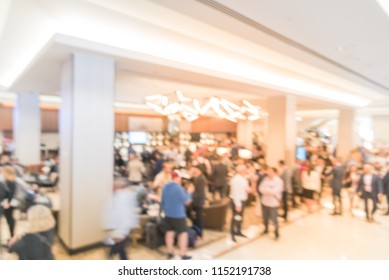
<point x="191" y="109"/>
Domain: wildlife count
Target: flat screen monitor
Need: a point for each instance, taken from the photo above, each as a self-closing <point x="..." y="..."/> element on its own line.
<point x="137" y="137"/>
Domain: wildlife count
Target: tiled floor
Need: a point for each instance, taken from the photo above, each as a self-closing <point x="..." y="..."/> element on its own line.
<point x="322" y="236"/>
<point x="316" y="236"/>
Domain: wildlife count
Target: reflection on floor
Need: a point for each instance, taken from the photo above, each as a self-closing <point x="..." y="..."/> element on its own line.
<point x="315" y="236"/>
<point x="322" y="236"/>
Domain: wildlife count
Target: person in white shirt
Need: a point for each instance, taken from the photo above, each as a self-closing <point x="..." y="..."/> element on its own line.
<point x="311" y="182"/>
<point x="271" y="189"/>
<point x="163" y="177"/>
<point x="120" y="216"/>
<point x="240" y="188"/>
<point x="135" y="169"/>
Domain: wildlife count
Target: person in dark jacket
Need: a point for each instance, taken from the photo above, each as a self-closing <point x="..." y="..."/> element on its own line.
<point x="296" y="184"/>
<point x="37" y="242"/>
<point x="219" y="178"/>
<point x="336" y="184"/>
<point x="370" y="188"/>
<point x="8" y="190"/>
<point x="198" y="198"/>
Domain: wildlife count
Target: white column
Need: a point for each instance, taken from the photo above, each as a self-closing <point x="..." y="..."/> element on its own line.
<point x="244" y="133"/>
<point x="27" y="128"/>
<point x="346" y="131"/>
<point x="86" y="145"/>
<point x="281" y="130"/>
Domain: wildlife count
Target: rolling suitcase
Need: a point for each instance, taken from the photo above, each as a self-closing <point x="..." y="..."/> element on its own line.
<point x="154" y="239"/>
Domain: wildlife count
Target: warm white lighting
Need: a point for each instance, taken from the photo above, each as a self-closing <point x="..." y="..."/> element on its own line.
<point x="173" y="108"/>
<point x="226" y="107"/>
<point x="164" y="101"/>
<point x="196" y="105"/>
<point x="220" y="151"/>
<point x="223" y="108"/>
<point x="230" y="104"/>
<point x="156" y="108"/>
<point x="50" y="99"/>
<point x="140" y="39"/>
<point x="205" y="108"/>
<point x="152" y="98"/>
<point x="192" y="147"/>
<point x="231" y="119"/>
<point x="245" y="154"/>
<point x="253" y="118"/>
<point x="179" y="94"/>
<point x="177" y="109"/>
<point x="190" y="117"/>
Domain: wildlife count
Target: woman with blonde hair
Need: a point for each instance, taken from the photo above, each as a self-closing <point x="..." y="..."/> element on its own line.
<point x="36" y="243"/>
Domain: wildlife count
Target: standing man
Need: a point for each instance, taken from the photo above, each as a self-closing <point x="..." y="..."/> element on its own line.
<point x="286" y="177"/>
<point x="163" y="177"/>
<point x="336" y="184"/>
<point x="271" y="189"/>
<point x="174" y="200"/>
<point x="198" y="198"/>
<point x="136" y="169"/>
<point x="370" y="187"/>
<point x="120" y="217"/>
<point x="219" y="178"/>
<point x="296" y="184"/>
<point x="240" y="188"/>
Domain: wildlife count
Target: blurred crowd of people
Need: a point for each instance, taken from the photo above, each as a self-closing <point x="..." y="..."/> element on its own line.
<point x="34" y="239"/>
<point x="176" y="184"/>
<point x="183" y="182"/>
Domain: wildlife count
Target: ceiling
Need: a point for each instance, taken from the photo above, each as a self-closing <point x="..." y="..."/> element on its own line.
<point x="351" y="33"/>
<point x="324" y="52"/>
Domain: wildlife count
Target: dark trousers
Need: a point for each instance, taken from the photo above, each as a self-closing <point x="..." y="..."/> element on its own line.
<point x="198" y="219"/>
<point x="366" y="197"/>
<point x="285" y="197"/>
<point x="269" y="213"/>
<point x="220" y="190"/>
<point x="8" y="213"/>
<point x="236" y="225"/>
<point x="294" y="195"/>
<point x="337" y="200"/>
<point x="120" y="249"/>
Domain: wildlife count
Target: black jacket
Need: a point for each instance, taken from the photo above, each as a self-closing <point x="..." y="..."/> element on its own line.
<point x="376" y="185"/>
<point x="34" y="246"/>
<point x="198" y="197"/>
<point x="386" y="183"/>
<point x="219" y="175"/>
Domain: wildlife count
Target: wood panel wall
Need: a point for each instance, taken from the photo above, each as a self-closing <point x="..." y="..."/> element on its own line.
<point x="6" y="118"/>
<point x="213" y="125"/>
<point x="49" y="121"/>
